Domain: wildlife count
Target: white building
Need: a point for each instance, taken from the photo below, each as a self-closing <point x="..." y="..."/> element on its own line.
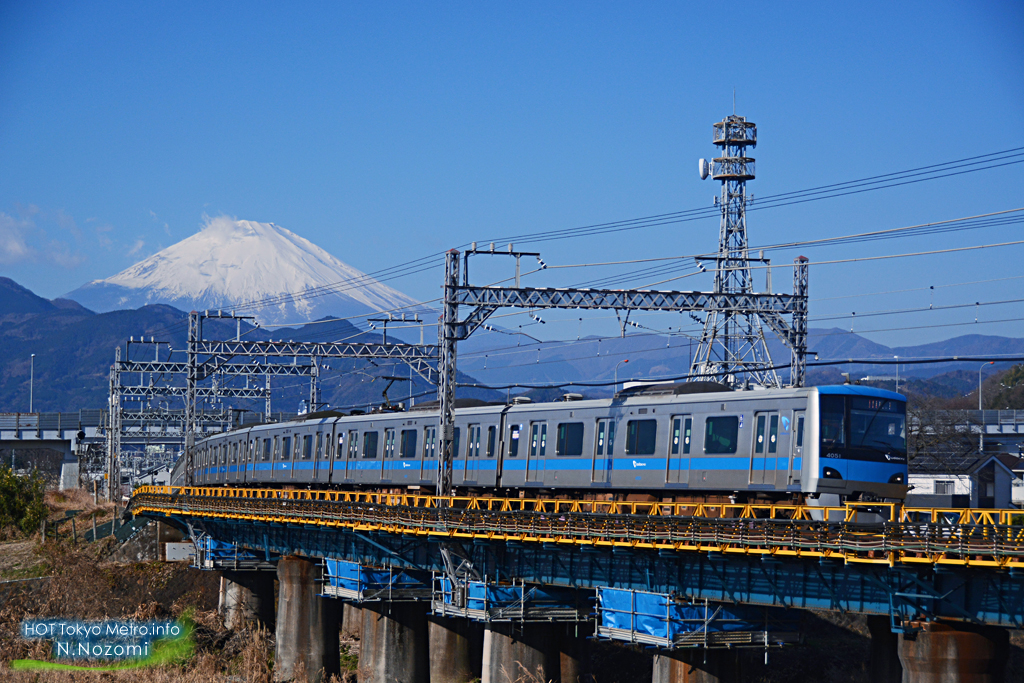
<point x="975" y="480"/>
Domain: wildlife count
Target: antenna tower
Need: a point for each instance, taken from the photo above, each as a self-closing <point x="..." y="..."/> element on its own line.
<point x="732" y="346"/>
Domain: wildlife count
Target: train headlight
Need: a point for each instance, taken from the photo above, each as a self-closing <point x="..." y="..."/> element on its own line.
<point x="898" y="478"/>
<point x="831" y="473"/>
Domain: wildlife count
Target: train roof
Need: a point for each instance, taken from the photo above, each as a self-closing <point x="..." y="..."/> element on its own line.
<point x="858" y="390"/>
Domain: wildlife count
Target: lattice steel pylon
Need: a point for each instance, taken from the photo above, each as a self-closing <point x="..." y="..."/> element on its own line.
<point x="732" y="347"/>
<point x="114" y="432"/>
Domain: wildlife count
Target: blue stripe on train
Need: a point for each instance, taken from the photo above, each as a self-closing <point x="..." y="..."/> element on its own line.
<point x="552" y="463"/>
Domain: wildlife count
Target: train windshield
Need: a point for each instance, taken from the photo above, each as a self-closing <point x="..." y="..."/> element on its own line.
<point x="860" y="425"/>
<point x="878" y="422"/>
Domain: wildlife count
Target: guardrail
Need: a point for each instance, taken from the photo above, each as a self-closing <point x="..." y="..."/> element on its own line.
<point x="855" y="533"/>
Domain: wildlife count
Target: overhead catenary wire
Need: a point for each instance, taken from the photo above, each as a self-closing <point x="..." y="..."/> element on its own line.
<point x="677" y="378"/>
<point x="813" y="194"/>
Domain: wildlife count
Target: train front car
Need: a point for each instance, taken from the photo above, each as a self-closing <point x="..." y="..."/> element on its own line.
<point x="859" y="440"/>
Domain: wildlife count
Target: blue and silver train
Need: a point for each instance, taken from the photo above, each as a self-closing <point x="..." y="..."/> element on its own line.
<point x="674" y="441"/>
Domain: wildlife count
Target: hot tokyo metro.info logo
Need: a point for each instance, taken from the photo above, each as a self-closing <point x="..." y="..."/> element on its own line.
<point x="122" y="644"/>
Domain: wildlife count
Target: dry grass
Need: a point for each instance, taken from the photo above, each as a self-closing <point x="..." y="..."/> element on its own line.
<point x="77" y="499"/>
<point x="84" y="585"/>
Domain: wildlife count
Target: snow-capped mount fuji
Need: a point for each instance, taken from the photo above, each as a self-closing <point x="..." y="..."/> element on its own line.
<point x="260" y="269"/>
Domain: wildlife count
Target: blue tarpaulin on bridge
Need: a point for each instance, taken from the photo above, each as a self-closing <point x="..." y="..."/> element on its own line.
<point x="661" y="616"/>
<point x="355" y="577"/>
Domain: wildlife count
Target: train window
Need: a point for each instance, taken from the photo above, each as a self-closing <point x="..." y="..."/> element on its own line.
<point x="455" y="441"/>
<point x="876" y="423"/>
<point x="513" y="440"/>
<point x="389" y="443"/>
<point x="353" y="444"/>
<point x="759" y="438"/>
<point x="492" y="433"/>
<point x="800" y="432"/>
<point x="251" y="455"/>
<point x="473" y="445"/>
<point x="721" y="434"/>
<point x="320" y="446"/>
<point x="277" y="447"/>
<point x="307" y="447"/>
<point x="833" y="420"/>
<point x="539" y="439"/>
<point x="408" y="445"/>
<point x="266" y="450"/>
<point x="340" y="453"/>
<point x="234" y="452"/>
<point x="370" y="444"/>
<point x="224" y="454"/>
<point x="773" y="434"/>
<point x="286" y="448"/>
<point x="570" y="439"/>
<point x="641" y="437"/>
<point x="687" y="434"/>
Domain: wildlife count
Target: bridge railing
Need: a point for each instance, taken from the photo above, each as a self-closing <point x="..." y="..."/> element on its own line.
<point x="850" y="512"/>
<point x="880" y="534"/>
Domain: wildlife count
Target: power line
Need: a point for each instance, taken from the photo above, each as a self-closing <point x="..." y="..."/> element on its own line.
<point x="677" y="378"/>
<point x="811" y="194"/>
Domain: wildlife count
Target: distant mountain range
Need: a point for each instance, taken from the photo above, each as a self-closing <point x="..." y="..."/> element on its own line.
<point x="260" y="268"/>
<point x="74" y="349"/>
<point x="501" y="359"/>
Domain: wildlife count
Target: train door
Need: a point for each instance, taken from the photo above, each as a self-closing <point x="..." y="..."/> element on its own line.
<point x="428" y="465"/>
<point x="797" y="441"/>
<point x="305" y="455"/>
<point x="488" y="469"/>
<point x="679" y="449"/>
<point x="538" y="450"/>
<point x="247" y="466"/>
<point x="337" y="454"/>
<point x="604" y="452"/>
<point x="472" y="457"/>
<point x="353" y="452"/>
<point x="286" y="455"/>
<point x="387" y="461"/>
<point x="320" y="450"/>
<point x="240" y="461"/>
<point x="766" y="447"/>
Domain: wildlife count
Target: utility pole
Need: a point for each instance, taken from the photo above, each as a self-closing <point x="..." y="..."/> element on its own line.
<point x="114" y="431"/>
<point x="447" y="341"/>
<point x="981" y="411"/>
<point x="31" y="382"/>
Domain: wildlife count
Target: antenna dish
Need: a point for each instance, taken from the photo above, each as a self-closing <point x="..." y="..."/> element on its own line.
<point x="705" y="168"/>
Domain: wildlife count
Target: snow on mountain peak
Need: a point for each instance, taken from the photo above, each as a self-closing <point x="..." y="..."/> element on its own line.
<point x="230" y="262"/>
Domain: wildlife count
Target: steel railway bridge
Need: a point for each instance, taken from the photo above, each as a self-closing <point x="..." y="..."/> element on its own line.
<point x="944" y="580"/>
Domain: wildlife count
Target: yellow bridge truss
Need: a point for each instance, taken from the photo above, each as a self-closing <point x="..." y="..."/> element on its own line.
<point x="877" y="533"/>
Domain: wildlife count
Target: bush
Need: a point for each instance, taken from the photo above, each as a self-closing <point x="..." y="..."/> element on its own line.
<point x="21" y="500"/>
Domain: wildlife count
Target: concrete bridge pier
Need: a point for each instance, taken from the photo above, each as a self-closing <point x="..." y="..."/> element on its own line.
<point x="394" y="643"/>
<point x="697" y="666"/>
<point x="509" y="649"/>
<point x="455" y="649"/>
<point x="247" y="597"/>
<point x="352" y="621"/>
<point x="307" y="625"/>
<point x="942" y="653"/>
<point x="574" y="653"/>
<point x="884" y="658"/>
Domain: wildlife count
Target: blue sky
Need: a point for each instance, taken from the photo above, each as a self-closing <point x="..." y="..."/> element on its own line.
<point x="387" y="131"/>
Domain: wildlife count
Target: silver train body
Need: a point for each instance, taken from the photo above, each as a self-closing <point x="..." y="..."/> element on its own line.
<point x="845" y="440"/>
